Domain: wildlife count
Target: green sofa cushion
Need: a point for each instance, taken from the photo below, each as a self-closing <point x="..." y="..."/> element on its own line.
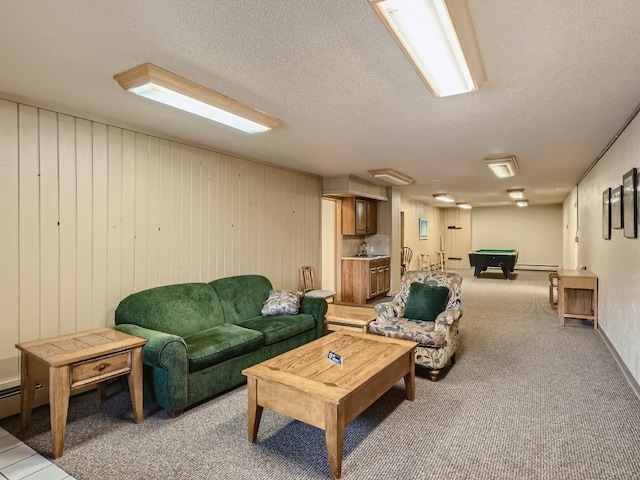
<point x="220" y="343"/>
<point x="425" y="302"/>
<point x="242" y="296"/>
<point x="182" y="309"/>
<point x="280" y="327"/>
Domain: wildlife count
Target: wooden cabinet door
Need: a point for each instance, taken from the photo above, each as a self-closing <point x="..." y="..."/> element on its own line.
<point x="361" y="216"/>
<point x="372" y="217"/>
<point x="348" y="216"/>
<point x="373" y="283"/>
<point x="386" y="279"/>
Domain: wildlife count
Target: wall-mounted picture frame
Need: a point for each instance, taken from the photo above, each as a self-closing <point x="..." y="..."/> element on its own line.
<point x="606" y="214"/>
<point x="637" y="196"/>
<point x="617" y="218"/>
<point x="423" y="229"/>
<point x="629" y="203"/>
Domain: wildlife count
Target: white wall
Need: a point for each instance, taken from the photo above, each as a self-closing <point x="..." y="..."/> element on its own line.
<point x="535" y="231"/>
<point x="570" y="231"/>
<point x="92" y="212"/>
<point x="614" y="261"/>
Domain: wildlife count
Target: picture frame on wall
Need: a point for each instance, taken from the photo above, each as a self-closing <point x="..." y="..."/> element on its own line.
<point x="423" y="229"/>
<point x="637" y="196"/>
<point x="606" y="214"/>
<point x="617" y="218"/>
<point x="629" y="203"/>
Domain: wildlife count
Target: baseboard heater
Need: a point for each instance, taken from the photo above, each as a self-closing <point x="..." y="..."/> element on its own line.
<point x="13" y="391"/>
<point x="540" y="268"/>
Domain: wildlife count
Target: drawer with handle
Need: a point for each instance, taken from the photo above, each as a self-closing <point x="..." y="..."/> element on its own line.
<point x="100" y="369"/>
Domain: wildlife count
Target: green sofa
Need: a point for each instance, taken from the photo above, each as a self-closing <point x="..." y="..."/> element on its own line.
<point x="202" y="335"/>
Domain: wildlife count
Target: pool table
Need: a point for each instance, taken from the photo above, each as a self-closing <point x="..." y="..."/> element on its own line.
<point x="483" y="258"/>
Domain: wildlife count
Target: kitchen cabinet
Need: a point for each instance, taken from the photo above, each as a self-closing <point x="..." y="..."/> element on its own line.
<point x="379" y="278"/>
<point x="359" y="216"/>
<point x="365" y="278"/>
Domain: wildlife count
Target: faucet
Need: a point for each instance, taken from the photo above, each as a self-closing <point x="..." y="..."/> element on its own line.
<point x="363" y="249"/>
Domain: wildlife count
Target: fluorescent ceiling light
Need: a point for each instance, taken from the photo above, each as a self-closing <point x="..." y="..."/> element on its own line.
<point x="522" y="203"/>
<point x="444" y="197"/>
<point x="464" y="205"/>
<point x="516" y="193"/>
<point x="392" y="176"/>
<point x="502" y="167"/>
<point x="160" y="85"/>
<point x="438" y="38"/>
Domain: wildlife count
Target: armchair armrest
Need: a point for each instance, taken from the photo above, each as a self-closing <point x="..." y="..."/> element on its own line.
<point x="388" y="310"/>
<point x="449" y="316"/>
<point x="317" y="307"/>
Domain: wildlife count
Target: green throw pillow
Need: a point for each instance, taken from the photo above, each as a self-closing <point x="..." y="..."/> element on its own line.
<point x="425" y="302"/>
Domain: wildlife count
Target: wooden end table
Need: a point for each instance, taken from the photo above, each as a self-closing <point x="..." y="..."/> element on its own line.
<point x="577" y="295"/>
<point x="304" y="384"/>
<point x="348" y="317"/>
<point x="76" y="360"/>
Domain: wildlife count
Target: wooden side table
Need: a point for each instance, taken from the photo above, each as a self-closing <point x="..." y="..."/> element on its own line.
<point x="348" y="317"/>
<point x="76" y="360"/>
<point x="578" y="295"/>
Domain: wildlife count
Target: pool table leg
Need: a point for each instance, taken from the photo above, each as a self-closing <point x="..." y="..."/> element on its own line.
<point x="505" y="272"/>
<point x="478" y="271"/>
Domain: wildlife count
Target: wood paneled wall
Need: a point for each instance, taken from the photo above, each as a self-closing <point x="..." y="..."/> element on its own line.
<point x="92" y="212"/>
<point x="413" y="211"/>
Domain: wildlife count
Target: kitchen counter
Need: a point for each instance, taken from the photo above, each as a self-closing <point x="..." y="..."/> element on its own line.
<point x="364" y="278"/>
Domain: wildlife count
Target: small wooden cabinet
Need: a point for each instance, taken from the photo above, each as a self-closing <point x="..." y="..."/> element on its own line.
<point x="577" y="295"/>
<point x="359" y="216"/>
<point x="364" y="279"/>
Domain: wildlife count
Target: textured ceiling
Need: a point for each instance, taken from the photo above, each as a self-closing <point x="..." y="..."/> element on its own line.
<point x="562" y="79"/>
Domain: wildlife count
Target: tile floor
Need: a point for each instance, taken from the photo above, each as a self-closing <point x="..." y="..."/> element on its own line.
<point x="18" y="461"/>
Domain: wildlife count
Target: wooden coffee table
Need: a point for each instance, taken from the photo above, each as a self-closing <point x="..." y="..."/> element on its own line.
<point x="304" y="384"/>
<point x="72" y="361"/>
<point x="348" y="317"/>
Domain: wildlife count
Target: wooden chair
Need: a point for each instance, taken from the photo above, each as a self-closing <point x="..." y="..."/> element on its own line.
<point x="441" y="266"/>
<point x="425" y="263"/>
<point x="308" y="285"/>
<point x="405" y="258"/>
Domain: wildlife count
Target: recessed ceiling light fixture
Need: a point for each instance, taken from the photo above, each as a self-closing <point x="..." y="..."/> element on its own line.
<point x="160" y="85"/>
<point x="392" y="176"/>
<point x="444" y="197"/>
<point x="522" y="203"/>
<point x="502" y="167"/>
<point x="516" y="193"/>
<point x="438" y="38"/>
<point x="464" y="205"/>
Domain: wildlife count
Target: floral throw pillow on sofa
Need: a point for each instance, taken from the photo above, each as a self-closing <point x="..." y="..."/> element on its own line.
<point x="282" y="302"/>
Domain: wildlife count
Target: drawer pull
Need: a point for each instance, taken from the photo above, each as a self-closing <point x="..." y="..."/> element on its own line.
<point x="99" y="369"/>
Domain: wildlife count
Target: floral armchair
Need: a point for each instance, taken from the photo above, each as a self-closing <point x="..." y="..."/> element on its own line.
<point x="437" y="340"/>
